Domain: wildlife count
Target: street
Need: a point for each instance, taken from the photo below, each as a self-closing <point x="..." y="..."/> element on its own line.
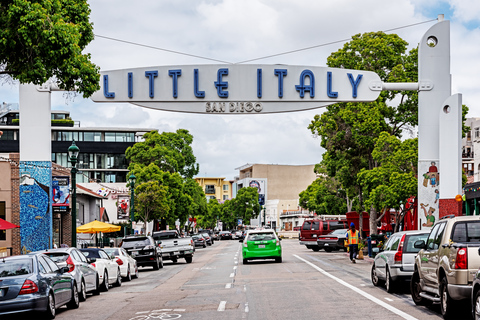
<point x="307" y="285"/>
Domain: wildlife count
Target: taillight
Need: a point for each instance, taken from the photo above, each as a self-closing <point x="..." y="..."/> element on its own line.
<point x="399" y="253"/>
<point x="119" y="261"/>
<point x="70" y="264"/>
<point x="245" y="244"/>
<point x="191" y="243"/>
<point x="93" y="265"/>
<point x="28" y="287"/>
<point x="278" y="243"/>
<point x="461" y="259"/>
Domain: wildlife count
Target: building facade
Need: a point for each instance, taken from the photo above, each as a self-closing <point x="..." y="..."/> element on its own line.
<point x="282" y="186"/>
<point x="216" y="188"/>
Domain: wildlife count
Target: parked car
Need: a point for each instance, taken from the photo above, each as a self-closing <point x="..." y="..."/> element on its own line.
<point x="215" y="235"/>
<point x="312" y="229"/>
<point x="225" y="235"/>
<point x="261" y="244"/>
<point x="446" y="264"/>
<point x="210" y="234"/>
<point x="396" y="260"/>
<point x="238" y="234"/>
<point x="106" y="266"/>
<point x="173" y="247"/>
<point x="199" y="240"/>
<point x="86" y="276"/>
<point x="207" y="237"/>
<point x="144" y="250"/>
<point x="33" y="282"/>
<point x="128" y="265"/>
<point x="335" y="240"/>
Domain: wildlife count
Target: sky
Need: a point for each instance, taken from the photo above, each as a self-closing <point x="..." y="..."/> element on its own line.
<point x="235" y="31"/>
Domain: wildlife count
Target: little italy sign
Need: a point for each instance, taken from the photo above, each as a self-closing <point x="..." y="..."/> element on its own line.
<point x="237" y="89"/>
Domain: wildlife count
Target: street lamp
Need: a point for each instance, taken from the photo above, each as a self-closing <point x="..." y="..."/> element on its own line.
<point x="131" y="181"/>
<point x="73" y="151"/>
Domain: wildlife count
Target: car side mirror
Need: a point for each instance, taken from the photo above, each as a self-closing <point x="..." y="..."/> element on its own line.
<point x="91" y="260"/>
<point x="64" y="269"/>
<point x="419" y="244"/>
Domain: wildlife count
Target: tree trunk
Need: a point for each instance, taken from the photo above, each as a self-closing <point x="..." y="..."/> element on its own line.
<point x="373" y="220"/>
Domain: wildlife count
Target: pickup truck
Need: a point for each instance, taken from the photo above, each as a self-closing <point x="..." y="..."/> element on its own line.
<point x="446" y="263"/>
<point x="173" y="246"/>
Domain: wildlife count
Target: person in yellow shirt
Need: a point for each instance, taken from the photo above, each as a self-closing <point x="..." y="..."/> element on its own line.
<point x="353" y="239"/>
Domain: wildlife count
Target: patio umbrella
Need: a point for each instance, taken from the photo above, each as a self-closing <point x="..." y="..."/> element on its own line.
<point x="98" y="226"/>
<point x="5" y="225"/>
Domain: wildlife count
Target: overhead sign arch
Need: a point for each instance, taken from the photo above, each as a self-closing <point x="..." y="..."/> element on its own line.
<point x="237" y="89"/>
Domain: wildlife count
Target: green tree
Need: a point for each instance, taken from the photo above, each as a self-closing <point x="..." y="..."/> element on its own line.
<point x="214" y="212"/>
<point x="44" y="39"/>
<point x="324" y="196"/>
<point x="169" y="151"/>
<point x="151" y="201"/>
<point x="245" y="205"/>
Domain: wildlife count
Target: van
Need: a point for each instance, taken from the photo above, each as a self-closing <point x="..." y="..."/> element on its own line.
<point x="311" y="229"/>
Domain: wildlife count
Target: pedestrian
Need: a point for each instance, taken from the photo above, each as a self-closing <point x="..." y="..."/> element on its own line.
<point x="352" y="238"/>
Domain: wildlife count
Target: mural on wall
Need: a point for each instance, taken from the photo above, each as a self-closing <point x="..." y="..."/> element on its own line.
<point x="35" y="205"/>
<point x="428" y="210"/>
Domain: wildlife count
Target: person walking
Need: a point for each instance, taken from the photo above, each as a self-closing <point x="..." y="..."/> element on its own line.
<point x="352" y="238"/>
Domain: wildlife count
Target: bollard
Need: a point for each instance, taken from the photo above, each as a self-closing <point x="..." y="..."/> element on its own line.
<point x="369" y="242"/>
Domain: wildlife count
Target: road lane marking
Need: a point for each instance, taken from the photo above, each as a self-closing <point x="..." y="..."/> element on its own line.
<point x="221" y="306"/>
<point x="359" y="291"/>
<point x="235" y="268"/>
<point x="388" y="299"/>
<point x="246" y="307"/>
<point x="232" y="275"/>
<point x="228" y="286"/>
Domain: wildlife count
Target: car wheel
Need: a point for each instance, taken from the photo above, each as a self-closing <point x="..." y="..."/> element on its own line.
<point x="416" y="289"/>
<point x="189" y="259"/>
<point x="105" y="282"/>
<point x="74" y="303"/>
<point x="476" y="306"/>
<point x="129" y="275"/>
<point x="174" y="260"/>
<point x="156" y="265"/>
<point x="136" y="272"/>
<point x="278" y="260"/>
<point x="447" y="304"/>
<point x="389" y="284"/>
<point x="375" y="279"/>
<point x="161" y="263"/>
<point x="204" y="245"/>
<point x="118" y="283"/>
<point x="316" y="249"/>
<point x="50" y="313"/>
<point x="96" y="292"/>
<point x="327" y="249"/>
<point x="83" y="291"/>
<point x="245" y="261"/>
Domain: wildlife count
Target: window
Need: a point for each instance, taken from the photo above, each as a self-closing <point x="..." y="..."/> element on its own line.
<point x="225" y="197"/>
<point x="44" y="266"/>
<point x="463" y="232"/>
<point x="225" y="187"/>
<point x="209" y="188"/>
<point x="109" y="136"/>
<point x="307" y="225"/>
<point x="8" y="135"/>
<point x="316" y="225"/>
<point x="395" y="243"/>
<point x="3" y="234"/>
<point x="53" y="266"/>
<point x="431" y="237"/>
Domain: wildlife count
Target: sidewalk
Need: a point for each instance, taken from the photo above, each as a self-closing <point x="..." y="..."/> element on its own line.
<point x="365" y="258"/>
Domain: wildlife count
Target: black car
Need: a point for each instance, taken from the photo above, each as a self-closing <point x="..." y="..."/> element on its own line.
<point x="144" y="251"/>
<point x="199" y="240"/>
<point x="209" y="233"/>
<point x="225" y="235"/>
<point x="33" y="282"/>
<point x="335" y="240"/>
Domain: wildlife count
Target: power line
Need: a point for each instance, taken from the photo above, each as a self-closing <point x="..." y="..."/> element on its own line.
<point x="250" y="60"/>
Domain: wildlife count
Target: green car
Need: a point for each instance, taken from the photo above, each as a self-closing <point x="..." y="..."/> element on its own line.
<point x="261" y="244"/>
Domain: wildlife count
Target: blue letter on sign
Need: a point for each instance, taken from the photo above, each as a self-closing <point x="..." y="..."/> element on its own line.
<point x="105" y="88"/>
<point x="302" y="87"/>
<point x="220" y="85"/>
<point x="354" y="83"/>
<point x="130" y="84"/>
<point x="330" y="93"/>
<point x="175" y="74"/>
<point x="151" y="75"/>
<point x="259" y="83"/>
<point x="198" y="94"/>
<point x="280" y="73"/>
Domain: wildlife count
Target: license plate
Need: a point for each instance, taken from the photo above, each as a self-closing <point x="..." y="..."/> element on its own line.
<point x="176" y="253"/>
<point x="326" y="244"/>
<point x="261" y="246"/>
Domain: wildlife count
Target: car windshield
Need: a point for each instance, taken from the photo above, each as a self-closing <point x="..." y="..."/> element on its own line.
<point x="165" y="235"/>
<point x="261" y="236"/>
<point x="114" y="252"/>
<point x="91" y="253"/>
<point x="206" y="235"/>
<point x="57" y="256"/>
<point x="134" y="242"/>
<point x="16" y="267"/>
<point x="339" y="231"/>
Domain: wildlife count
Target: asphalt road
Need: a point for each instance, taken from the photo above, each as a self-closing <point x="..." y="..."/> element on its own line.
<point x="307" y="285"/>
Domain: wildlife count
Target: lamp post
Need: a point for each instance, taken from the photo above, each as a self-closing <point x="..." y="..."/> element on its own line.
<point x="131" y="181"/>
<point x="73" y="151"/>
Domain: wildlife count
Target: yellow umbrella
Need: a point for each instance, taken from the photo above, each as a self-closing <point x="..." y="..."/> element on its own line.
<point x="98" y="226"/>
